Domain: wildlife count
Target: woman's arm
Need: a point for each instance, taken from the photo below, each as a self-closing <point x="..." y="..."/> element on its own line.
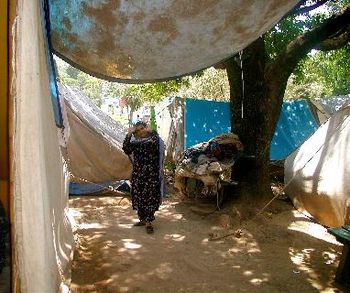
<point x="128" y="146"/>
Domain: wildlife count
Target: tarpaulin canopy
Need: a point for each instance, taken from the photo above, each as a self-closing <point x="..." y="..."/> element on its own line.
<point x="153" y="40"/>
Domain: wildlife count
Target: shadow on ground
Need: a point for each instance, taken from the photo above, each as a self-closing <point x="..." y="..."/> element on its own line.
<point x="281" y="252"/>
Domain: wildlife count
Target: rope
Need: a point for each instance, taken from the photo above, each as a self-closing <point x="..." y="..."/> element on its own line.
<point x="238" y="232"/>
<point x="242" y="77"/>
<point x="103" y="187"/>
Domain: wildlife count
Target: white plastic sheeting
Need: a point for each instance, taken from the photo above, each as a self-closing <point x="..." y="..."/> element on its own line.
<point x="318" y="173"/>
<point x="43" y="236"/>
<point x="93" y="141"/>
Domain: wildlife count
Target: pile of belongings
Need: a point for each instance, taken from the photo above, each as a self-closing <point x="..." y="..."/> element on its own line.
<point x="207" y="165"/>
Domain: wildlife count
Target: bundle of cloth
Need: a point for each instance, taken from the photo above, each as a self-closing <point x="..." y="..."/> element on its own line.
<point x="209" y="162"/>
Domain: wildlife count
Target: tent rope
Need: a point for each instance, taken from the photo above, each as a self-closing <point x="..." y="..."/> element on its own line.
<point x="103" y="187"/>
<point x="238" y="232"/>
<point x="240" y="54"/>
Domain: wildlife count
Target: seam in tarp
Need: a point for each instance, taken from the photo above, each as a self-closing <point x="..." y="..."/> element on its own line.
<point x="45" y="19"/>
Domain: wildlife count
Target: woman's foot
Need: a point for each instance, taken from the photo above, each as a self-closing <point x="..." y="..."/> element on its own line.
<point x="140" y="223"/>
<point x="149" y="228"/>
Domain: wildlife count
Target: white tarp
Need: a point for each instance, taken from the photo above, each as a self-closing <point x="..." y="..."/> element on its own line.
<point x="43" y="236"/>
<point x="93" y="141"/>
<point x="170" y="126"/>
<point x="318" y="173"/>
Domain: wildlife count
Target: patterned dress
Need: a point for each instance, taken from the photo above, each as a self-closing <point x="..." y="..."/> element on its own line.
<point x="146" y="177"/>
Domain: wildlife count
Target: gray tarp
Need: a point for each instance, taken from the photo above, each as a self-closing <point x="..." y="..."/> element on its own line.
<point x="93" y="141"/>
<point x="318" y="173"/>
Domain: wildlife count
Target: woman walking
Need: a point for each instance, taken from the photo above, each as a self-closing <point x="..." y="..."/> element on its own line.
<point x="146" y="151"/>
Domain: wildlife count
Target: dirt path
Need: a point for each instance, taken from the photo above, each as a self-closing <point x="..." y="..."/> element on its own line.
<point x="278" y="252"/>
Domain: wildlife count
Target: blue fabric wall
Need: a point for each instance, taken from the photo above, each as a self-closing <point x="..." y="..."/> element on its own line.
<point x="205" y="119"/>
<point x="295" y="125"/>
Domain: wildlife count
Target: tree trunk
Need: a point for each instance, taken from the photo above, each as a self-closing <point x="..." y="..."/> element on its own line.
<point x="257" y="90"/>
<point x="251" y="115"/>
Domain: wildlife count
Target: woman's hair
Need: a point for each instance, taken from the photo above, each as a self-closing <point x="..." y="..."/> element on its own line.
<point x="141" y="123"/>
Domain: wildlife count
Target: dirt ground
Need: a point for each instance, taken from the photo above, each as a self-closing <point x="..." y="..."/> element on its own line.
<point x="281" y="250"/>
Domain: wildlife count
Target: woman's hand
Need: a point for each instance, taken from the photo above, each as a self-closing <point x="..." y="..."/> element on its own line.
<point x="131" y="130"/>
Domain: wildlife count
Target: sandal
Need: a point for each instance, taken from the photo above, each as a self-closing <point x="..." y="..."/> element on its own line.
<point x="140" y="223"/>
<point x="149" y="228"/>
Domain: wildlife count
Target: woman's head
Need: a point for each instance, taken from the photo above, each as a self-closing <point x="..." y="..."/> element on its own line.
<point x="141" y="129"/>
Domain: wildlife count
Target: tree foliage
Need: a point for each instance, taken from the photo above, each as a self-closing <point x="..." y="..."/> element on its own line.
<point x="89" y="85"/>
<point x="211" y="84"/>
<point x="317" y="74"/>
<point x="155" y="92"/>
<point x="136" y="94"/>
<point x="327" y="71"/>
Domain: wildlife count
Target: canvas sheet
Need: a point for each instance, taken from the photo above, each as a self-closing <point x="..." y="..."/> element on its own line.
<point x="317" y="174"/>
<point x="43" y="237"/>
<point x="170" y="126"/>
<point x="93" y="141"/>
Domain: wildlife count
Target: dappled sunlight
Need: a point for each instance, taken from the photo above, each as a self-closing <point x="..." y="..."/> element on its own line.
<point x="174" y="237"/>
<point x="129" y="244"/>
<point x="86" y="226"/>
<point x="269" y="255"/>
<point x="313" y="229"/>
<point x="303" y="260"/>
<point x="167" y="210"/>
<point x="163" y="271"/>
<point x="258" y="281"/>
<point x="125" y="226"/>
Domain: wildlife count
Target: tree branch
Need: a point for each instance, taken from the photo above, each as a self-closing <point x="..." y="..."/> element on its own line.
<point x="300" y="9"/>
<point x="335" y="42"/>
<point x="299" y="47"/>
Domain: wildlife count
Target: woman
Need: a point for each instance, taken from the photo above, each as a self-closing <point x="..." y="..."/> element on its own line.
<point x="145" y="149"/>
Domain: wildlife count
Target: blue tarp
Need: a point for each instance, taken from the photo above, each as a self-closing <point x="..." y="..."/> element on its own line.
<point x="91" y="188"/>
<point x="51" y="68"/>
<point x="295" y="125"/>
<point x="206" y="119"/>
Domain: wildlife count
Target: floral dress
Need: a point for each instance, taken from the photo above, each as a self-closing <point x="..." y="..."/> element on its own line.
<point x="145" y="179"/>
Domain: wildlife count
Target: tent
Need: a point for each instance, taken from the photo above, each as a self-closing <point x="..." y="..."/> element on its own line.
<point x="317" y="175"/>
<point x="92" y="143"/>
<point x="333" y="104"/>
<point x="118" y="40"/>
